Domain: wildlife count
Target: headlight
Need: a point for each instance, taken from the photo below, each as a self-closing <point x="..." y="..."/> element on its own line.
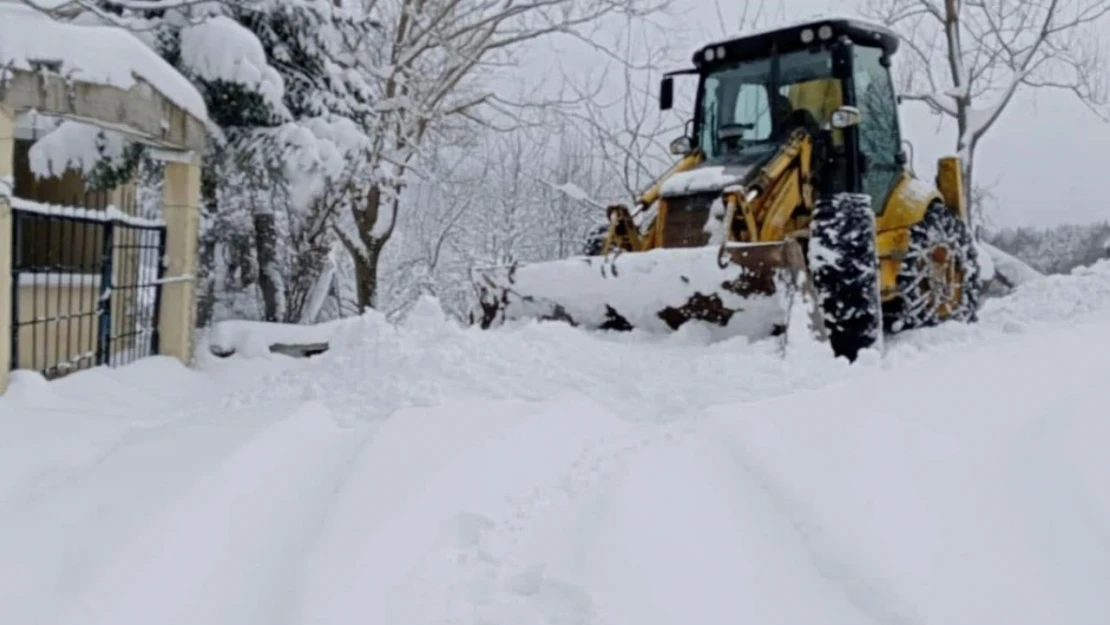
<point x="720" y="52"/>
<point x="844" y="117"/>
<point x="807" y="35"/>
<point x="825" y="32"/>
<point x="709" y="54"/>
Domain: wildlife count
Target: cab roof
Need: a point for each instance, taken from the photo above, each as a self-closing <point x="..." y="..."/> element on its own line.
<point x="788" y="38"/>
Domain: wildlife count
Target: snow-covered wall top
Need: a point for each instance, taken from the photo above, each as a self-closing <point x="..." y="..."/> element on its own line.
<point x="103" y="55"/>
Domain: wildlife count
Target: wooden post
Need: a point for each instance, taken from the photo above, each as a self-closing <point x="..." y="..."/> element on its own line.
<point x="181" y="206"/>
<point x="7" y="182"/>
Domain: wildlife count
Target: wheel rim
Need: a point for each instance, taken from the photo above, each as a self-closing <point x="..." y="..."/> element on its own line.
<point x="941" y="276"/>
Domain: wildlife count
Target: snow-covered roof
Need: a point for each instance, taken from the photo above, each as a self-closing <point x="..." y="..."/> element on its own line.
<point x="851" y="20"/>
<point x="855" y="20"/>
<point x="103" y="55"/>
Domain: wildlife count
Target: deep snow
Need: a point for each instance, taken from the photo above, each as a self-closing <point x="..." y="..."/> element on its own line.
<point x="423" y="473"/>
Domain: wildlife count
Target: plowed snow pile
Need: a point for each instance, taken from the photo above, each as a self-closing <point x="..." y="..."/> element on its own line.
<point x="426" y="474"/>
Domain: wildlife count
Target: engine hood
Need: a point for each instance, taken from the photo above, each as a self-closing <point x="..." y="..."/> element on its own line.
<point x="713" y="175"/>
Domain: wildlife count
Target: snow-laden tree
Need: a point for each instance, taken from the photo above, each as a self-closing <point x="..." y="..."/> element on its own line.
<point x="967" y="59"/>
<point x="287" y="112"/>
<point x="324" y="111"/>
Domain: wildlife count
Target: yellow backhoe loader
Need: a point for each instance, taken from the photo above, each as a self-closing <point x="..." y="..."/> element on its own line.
<point x="792" y="186"/>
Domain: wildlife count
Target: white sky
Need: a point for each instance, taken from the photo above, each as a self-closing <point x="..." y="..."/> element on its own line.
<point x="1042" y="157"/>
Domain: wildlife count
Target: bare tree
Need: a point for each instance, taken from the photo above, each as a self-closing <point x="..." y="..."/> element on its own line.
<point x="428" y="71"/>
<point x="969" y="58"/>
<point x="423" y="259"/>
<point x="752" y="14"/>
<point x="619" y="108"/>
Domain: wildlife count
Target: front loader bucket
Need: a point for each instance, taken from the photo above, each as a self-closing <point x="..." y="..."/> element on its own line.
<point x="740" y="288"/>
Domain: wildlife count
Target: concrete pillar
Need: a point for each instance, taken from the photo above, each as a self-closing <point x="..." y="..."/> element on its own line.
<point x="7" y="181"/>
<point x="181" y="206"/>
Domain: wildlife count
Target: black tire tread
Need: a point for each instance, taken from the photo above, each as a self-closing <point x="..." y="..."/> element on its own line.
<point x="845" y="278"/>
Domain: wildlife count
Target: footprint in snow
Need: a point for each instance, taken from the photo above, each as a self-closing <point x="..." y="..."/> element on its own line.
<point x="561" y="603"/>
<point x="467" y="529"/>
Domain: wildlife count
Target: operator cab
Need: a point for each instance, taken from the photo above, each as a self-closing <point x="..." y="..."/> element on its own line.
<point x="829" y="76"/>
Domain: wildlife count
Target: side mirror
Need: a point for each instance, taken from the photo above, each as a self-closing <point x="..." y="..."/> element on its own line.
<point x="666" y="93"/>
<point x="681" y="146"/>
<point x="844" y="117"/>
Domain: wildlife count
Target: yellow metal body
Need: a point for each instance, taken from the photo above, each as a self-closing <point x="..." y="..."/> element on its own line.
<point x="777" y="204"/>
<point x="950" y="182"/>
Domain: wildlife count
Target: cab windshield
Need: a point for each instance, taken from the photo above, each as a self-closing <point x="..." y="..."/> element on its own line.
<point x="752" y="105"/>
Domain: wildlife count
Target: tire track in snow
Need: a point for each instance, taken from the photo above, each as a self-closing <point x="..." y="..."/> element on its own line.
<point x="65" y="534"/>
<point x="677" y="535"/>
<point x="1064" y="514"/>
<point x="868" y="593"/>
<point x="495" y="567"/>
<point x="173" y="421"/>
<point x="450" y="534"/>
<point x="226" y="549"/>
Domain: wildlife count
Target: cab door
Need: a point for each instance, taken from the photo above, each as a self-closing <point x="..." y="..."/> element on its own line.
<point x="879" y="138"/>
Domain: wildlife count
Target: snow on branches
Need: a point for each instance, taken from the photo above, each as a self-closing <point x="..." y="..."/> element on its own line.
<point x="966" y="59"/>
<point x="428" y="69"/>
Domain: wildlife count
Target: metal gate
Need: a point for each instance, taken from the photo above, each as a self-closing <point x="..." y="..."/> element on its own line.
<point x="86" y="288"/>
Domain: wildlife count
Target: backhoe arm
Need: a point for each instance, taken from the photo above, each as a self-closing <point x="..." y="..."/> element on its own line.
<point x="767" y="198"/>
<point x="648" y="197"/>
<point x="623" y="232"/>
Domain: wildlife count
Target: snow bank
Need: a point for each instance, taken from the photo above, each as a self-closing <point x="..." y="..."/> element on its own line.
<point x="96" y="54"/>
<point x="1013" y="269"/>
<point x="253" y="339"/>
<point x="1057" y="297"/>
<point x="375" y="367"/>
<point x="987" y="270"/>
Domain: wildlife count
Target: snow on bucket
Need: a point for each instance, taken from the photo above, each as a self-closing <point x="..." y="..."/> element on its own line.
<point x="734" y="287"/>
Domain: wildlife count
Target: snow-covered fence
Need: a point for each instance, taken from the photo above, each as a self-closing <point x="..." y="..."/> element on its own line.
<point x="86" y="287"/>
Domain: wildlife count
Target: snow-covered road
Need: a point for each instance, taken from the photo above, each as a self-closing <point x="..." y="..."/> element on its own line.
<point x="424" y="474"/>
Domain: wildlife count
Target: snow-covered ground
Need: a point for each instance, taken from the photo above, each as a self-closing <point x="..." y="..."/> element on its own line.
<point x="423" y="473"/>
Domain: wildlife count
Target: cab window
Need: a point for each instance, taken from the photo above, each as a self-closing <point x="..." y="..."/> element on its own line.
<point x="878" y="128"/>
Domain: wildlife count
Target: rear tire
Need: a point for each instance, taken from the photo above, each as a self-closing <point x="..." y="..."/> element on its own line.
<point x="942" y="260"/>
<point x="844" y="267"/>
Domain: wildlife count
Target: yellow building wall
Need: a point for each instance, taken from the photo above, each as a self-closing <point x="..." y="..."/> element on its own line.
<point x="56" y="327"/>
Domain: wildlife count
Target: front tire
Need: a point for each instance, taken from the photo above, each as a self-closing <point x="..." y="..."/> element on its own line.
<point x="844" y="265"/>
